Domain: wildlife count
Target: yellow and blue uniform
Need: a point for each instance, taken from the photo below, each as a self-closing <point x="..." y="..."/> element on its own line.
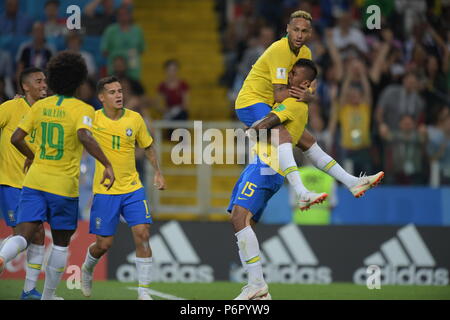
<point x="126" y="197"/>
<point x="255" y="99"/>
<point x="261" y="179"/>
<point x="50" y="189"/>
<point x="11" y="160"/>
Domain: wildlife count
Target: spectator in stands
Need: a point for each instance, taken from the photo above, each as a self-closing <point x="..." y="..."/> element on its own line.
<point x="54" y="26"/>
<point x="74" y="42"/>
<point x="398" y="100"/>
<point x="124" y="38"/>
<point x="435" y="86"/>
<point x="404" y="152"/>
<point x="438" y="147"/>
<point x="6" y="74"/>
<point x="352" y="111"/>
<point x="174" y="93"/>
<point x="348" y="38"/>
<point x="13" y="22"/>
<point x="35" y="53"/>
<point x="120" y="70"/>
<point x="87" y="93"/>
<point x="98" y="15"/>
<point x="265" y="38"/>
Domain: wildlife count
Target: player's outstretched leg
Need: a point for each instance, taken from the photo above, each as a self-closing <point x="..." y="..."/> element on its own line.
<point x="144" y="260"/>
<point x="93" y="254"/>
<point x="35" y="257"/>
<point x="322" y="161"/>
<point x="12" y="246"/>
<point x="249" y="248"/>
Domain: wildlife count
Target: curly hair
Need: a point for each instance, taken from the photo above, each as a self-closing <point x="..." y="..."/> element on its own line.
<point x="66" y="72"/>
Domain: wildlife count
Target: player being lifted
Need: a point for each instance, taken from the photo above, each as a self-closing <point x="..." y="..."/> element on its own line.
<point x="266" y="84"/>
<point x="256" y="186"/>
<point x="117" y="130"/>
<point x="12" y="174"/>
<point x="50" y="188"/>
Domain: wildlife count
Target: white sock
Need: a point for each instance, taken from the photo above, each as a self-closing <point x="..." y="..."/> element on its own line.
<point x="90" y="262"/>
<point x="324" y="162"/>
<point x="244" y="265"/>
<point x="35" y="256"/>
<point x="289" y="167"/>
<point x="249" y="247"/>
<point x="144" y="272"/>
<point x="54" y="270"/>
<point x="12" y="247"/>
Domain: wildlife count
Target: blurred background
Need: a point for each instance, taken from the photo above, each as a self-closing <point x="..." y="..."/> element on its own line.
<point x="180" y="61"/>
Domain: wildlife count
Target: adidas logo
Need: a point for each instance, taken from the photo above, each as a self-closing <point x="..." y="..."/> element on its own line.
<point x="175" y="259"/>
<point x="288" y="258"/>
<point x="404" y="259"/>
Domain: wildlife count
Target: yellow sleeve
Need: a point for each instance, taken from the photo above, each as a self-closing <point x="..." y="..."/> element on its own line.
<point x="287" y="110"/>
<point x="143" y="137"/>
<point x="27" y="123"/>
<point x="85" y="117"/>
<point x="4" y="114"/>
<point x="305" y="53"/>
<point x="278" y="61"/>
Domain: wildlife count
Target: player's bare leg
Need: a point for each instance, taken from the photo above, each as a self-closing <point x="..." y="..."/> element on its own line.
<point x="249" y="248"/>
<point x="94" y="252"/>
<point x="144" y="260"/>
<point x="56" y="263"/>
<point x="322" y="161"/>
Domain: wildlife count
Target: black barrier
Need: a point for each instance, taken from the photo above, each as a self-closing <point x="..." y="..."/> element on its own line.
<point x="207" y="251"/>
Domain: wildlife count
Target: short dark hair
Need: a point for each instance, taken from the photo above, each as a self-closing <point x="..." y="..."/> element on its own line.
<point x="25" y="73"/>
<point x="167" y="63"/>
<point x="104" y="81"/>
<point x="49" y="2"/>
<point x="66" y="72"/>
<point x="307" y="64"/>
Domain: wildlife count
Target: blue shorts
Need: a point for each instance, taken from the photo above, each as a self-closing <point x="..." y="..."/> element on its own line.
<point x="249" y="115"/>
<point x="107" y="209"/>
<point x="60" y="212"/>
<point x="254" y="188"/>
<point x="9" y="201"/>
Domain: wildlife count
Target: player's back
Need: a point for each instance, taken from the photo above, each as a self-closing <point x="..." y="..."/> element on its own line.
<point x="56" y="165"/>
<point x="272" y="67"/>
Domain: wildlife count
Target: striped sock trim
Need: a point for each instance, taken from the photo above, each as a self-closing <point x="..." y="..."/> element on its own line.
<point x="329" y="165"/>
<point x="60" y="269"/>
<point x="144" y="286"/>
<point x="35" y="266"/>
<point x="253" y="260"/>
<point x="289" y="170"/>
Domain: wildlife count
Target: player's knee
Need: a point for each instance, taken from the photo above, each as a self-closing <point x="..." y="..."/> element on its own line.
<point x="238" y="217"/>
<point x="104" y="244"/>
<point x="39" y="237"/>
<point x="306" y="141"/>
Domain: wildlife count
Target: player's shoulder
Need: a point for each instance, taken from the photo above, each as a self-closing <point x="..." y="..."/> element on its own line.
<point x="132" y="115"/>
<point x="279" y="46"/>
<point x="292" y="102"/>
<point x="10" y="104"/>
<point x="305" y="52"/>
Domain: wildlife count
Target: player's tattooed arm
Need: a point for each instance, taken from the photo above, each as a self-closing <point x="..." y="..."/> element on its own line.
<point x="280" y="92"/>
<point x="18" y="140"/>
<point x="268" y="122"/>
<point x="92" y="146"/>
<point x="158" y="180"/>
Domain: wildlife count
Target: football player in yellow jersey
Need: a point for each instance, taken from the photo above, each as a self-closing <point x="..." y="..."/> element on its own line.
<point x="266" y="84"/>
<point x="262" y="179"/>
<point x="118" y="130"/>
<point x="50" y="188"/>
<point x="33" y="83"/>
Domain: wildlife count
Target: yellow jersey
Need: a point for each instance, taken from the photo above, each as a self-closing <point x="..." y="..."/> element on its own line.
<point x="355" y="126"/>
<point x="118" y="139"/>
<point x="294" y="117"/>
<point x="272" y="67"/>
<point x="56" y="165"/>
<point x="11" y="160"/>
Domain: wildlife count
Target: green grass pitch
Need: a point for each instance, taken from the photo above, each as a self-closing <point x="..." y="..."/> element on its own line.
<point x="114" y="290"/>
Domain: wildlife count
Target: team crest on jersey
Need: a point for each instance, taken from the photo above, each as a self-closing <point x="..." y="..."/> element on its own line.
<point x="129" y="132"/>
<point x="98" y="222"/>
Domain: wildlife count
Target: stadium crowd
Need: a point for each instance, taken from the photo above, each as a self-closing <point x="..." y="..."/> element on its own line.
<point x="382" y="100"/>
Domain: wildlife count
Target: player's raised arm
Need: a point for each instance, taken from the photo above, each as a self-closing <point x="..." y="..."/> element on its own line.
<point x="91" y="146"/>
<point x="158" y="180"/>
